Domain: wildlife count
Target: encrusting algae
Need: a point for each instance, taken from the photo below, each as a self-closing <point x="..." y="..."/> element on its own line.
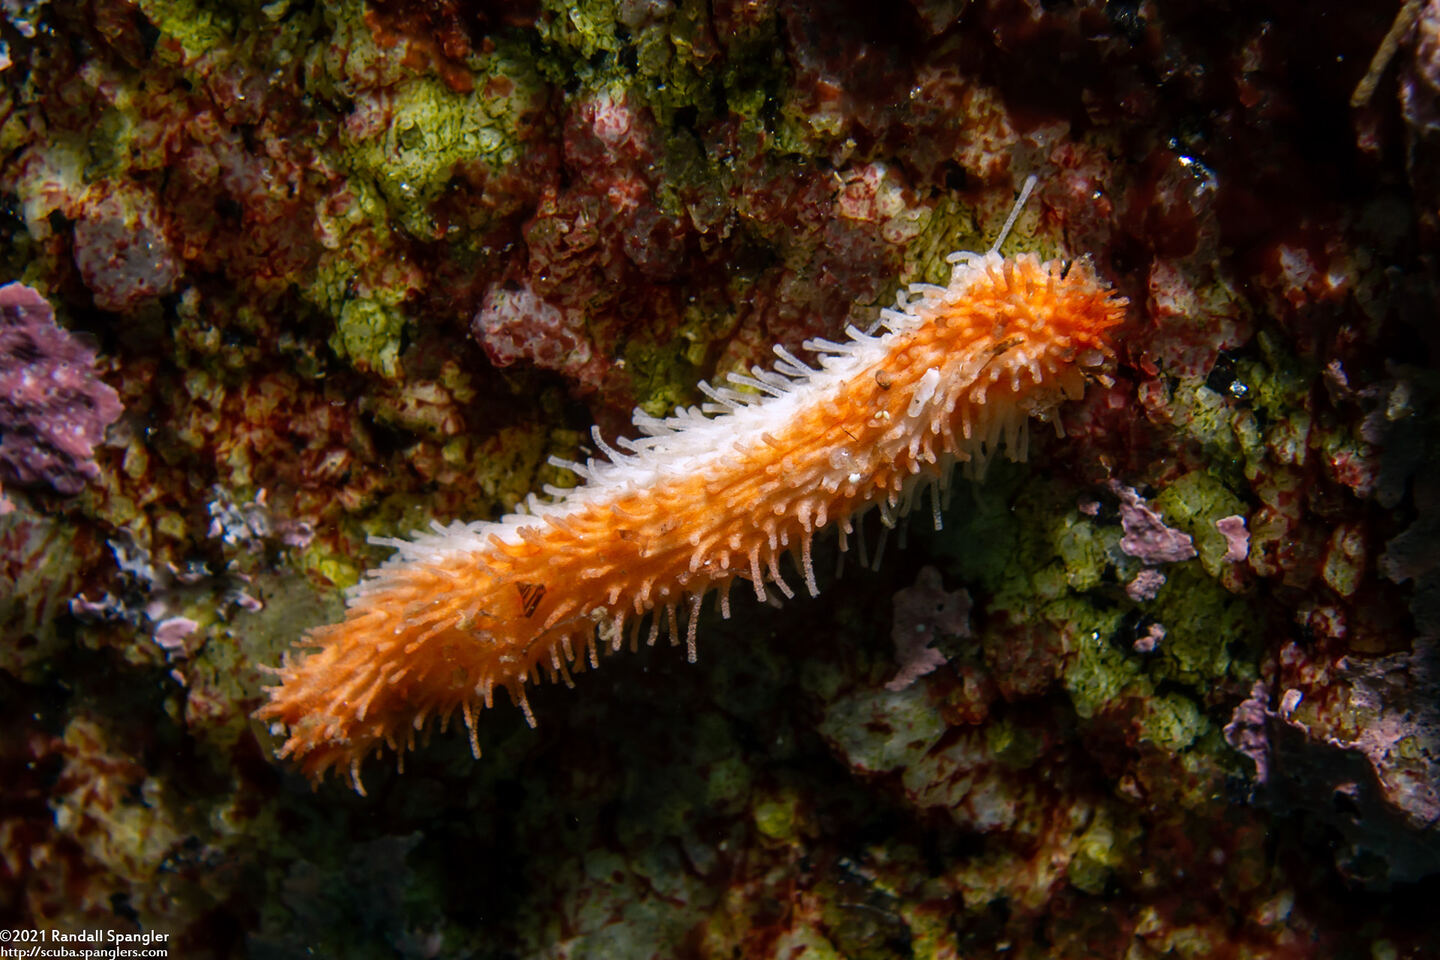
<point x="708" y="496"/>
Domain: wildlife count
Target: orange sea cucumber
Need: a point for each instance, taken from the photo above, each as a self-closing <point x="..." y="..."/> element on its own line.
<point x="708" y="496"/>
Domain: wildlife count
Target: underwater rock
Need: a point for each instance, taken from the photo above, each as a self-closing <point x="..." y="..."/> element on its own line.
<point x="1379" y="791"/>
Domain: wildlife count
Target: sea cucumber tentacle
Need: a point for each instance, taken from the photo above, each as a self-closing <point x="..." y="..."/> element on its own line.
<point x="705" y="497"/>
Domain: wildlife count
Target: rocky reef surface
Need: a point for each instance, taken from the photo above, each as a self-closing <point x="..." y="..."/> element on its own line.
<point x="286" y="276"/>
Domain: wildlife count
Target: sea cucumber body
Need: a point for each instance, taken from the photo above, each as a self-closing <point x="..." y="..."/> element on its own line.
<point x="705" y="498"/>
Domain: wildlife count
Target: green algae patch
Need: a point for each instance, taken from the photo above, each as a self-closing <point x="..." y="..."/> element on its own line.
<point x="432" y="130"/>
<point x="881" y="730"/>
<point x="1251" y="438"/>
<point x="1096" y="672"/>
<point x="824" y="679"/>
<point x="1172" y="722"/>
<point x="1284" y="396"/>
<point x="1279" y="420"/>
<point x="356" y="252"/>
<point x="947" y="226"/>
<point x="1012" y="745"/>
<point x="674" y="53"/>
<point x="1345" y="559"/>
<point x="1085" y="549"/>
<point x="663" y="54"/>
<point x="1207" y="628"/>
<point x="1027" y="543"/>
<point x="777" y="818"/>
<point x="1101" y="849"/>
<point x="858" y="919"/>
<point x="192" y="29"/>
<point x="661" y="374"/>
<point x="1194" y="503"/>
<point x="321" y="562"/>
<point x="506" y="464"/>
<point x="368" y="333"/>
<point x="582" y="28"/>
<point x="352" y="62"/>
<point x="1212" y="420"/>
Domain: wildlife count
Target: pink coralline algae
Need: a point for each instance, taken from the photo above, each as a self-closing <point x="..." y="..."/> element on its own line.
<point x="1146" y="585"/>
<point x="586" y="239"/>
<point x="1362" y="755"/>
<point x="923" y="613"/>
<point x="520" y="325"/>
<point x="1246" y="730"/>
<point x="121" y="247"/>
<point x="53" y="407"/>
<point x="1149" y="641"/>
<point x="1147" y="537"/>
<point x="1237" y="538"/>
<point x="172" y="632"/>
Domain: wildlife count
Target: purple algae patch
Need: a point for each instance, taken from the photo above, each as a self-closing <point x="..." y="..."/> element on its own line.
<point x="53" y="407"/>
<point x="923" y="613"/>
<point x="1237" y="538"/>
<point x="1146" y="585"/>
<point x="1147" y="537"/>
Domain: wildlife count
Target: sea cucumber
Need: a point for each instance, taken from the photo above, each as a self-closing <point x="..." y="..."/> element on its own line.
<point x="712" y="494"/>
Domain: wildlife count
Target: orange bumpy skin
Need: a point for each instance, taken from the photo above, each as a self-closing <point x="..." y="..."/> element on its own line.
<point x="706" y="497"/>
